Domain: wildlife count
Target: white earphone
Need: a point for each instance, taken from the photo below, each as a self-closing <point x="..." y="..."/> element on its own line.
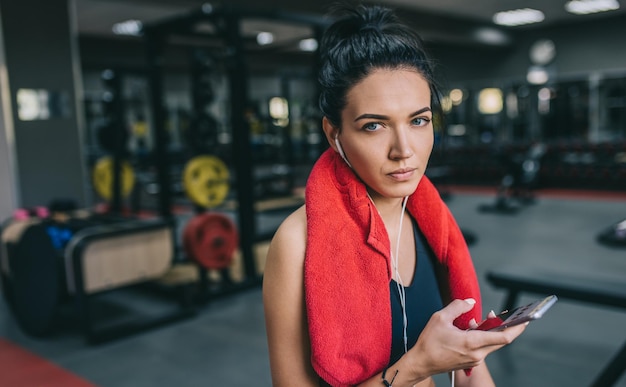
<point x="340" y="150"/>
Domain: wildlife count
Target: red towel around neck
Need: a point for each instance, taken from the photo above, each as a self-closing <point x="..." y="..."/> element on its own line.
<point x="348" y="269"/>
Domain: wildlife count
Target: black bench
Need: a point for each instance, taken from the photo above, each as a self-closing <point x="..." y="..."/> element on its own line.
<point x="519" y="280"/>
<point x="40" y="277"/>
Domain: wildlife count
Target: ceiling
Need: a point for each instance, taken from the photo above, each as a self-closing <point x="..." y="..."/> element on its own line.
<point x="440" y="19"/>
<point x="483" y="10"/>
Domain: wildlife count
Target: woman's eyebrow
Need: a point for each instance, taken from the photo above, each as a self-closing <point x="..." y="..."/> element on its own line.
<point x="371" y="116"/>
<point x="383" y="117"/>
<point x="422" y="110"/>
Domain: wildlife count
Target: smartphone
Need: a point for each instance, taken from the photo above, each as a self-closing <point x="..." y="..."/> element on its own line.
<point x="519" y="315"/>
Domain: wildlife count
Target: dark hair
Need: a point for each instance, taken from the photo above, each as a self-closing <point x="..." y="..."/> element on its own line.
<point x="361" y="39"/>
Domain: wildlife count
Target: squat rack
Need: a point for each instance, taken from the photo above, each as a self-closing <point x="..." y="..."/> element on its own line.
<point x="226" y="21"/>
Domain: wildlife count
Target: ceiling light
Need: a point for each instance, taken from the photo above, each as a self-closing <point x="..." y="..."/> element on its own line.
<point x="492" y="36"/>
<point x="582" y="7"/>
<point x="543" y="100"/>
<point x="544" y="94"/>
<point x="308" y="44"/>
<point x="128" y="27"/>
<point x="537" y="75"/>
<point x="518" y="17"/>
<point x="207" y="8"/>
<point x="279" y="108"/>
<point x="264" y="38"/>
<point x="490" y="101"/>
<point x="456" y="96"/>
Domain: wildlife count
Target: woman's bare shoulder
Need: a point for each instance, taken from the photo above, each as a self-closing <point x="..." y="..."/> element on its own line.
<point x="294" y="224"/>
<point x="289" y="242"/>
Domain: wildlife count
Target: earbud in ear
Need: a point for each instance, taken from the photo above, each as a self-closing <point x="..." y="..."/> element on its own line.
<point x="340" y="150"/>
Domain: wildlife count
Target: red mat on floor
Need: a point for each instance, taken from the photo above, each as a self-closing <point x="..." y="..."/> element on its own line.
<point x="20" y="368"/>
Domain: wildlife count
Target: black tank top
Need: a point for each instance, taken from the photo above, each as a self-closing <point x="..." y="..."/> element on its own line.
<point x="423" y="298"/>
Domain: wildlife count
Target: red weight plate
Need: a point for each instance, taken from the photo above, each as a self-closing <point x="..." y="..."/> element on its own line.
<point x="211" y="240"/>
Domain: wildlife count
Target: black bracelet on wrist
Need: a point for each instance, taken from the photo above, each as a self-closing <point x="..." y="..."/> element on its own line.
<point x="385" y="382"/>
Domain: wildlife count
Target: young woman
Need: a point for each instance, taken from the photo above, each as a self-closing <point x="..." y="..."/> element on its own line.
<point x="371" y="282"/>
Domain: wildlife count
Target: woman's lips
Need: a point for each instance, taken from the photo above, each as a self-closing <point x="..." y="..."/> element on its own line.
<point x="402" y="174"/>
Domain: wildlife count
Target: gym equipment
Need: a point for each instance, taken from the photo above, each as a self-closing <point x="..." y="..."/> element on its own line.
<point x="228" y="46"/>
<point x="201" y="135"/>
<point x="112" y="135"/>
<point x="206" y="181"/>
<point x="103" y="178"/>
<point x="111" y="177"/>
<point x="521" y="177"/>
<point x="517" y="280"/>
<point x="107" y="132"/>
<point x="25" y="213"/>
<point x="211" y="239"/>
<point x="47" y="264"/>
<point x="614" y="236"/>
<point x="39" y="287"/>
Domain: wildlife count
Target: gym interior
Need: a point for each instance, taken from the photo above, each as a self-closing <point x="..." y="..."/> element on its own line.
<point x="150" y="149"/>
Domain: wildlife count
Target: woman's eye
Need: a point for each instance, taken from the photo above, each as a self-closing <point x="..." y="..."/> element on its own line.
<point x="371" y="126"/>
<point x="421" y="121"/>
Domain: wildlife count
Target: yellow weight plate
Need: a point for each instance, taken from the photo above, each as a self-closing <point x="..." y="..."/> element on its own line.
<point x="140" y="129"/>
<point x="102" y="177"/>
<point x="205" y="180"/>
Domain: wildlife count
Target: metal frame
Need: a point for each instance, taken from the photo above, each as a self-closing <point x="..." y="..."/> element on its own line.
<point x="228" y="21"/>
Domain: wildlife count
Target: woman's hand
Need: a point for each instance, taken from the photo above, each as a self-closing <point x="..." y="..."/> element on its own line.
<point x="443" y="347"/>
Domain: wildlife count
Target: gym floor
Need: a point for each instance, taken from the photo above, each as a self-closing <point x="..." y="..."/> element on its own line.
<point x="225" y="343"/>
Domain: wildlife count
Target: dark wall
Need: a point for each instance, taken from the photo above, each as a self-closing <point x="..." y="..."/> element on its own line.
<point x="583" y="48"/>
<point x="40" y="54"/>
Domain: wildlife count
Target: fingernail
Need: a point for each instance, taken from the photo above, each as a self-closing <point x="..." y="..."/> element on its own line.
<point x="470" y="301"/>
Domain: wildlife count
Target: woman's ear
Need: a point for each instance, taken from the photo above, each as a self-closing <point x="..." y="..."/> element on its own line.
<point x="331" y="132"/>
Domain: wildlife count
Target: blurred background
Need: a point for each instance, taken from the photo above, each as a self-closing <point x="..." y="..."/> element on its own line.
<point x="150" y="148"/>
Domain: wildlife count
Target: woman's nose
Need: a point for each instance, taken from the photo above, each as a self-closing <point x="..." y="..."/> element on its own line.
<point x="400" y="146"/>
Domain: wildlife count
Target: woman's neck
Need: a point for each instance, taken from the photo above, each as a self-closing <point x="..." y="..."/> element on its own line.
<point x="386" y="206"/>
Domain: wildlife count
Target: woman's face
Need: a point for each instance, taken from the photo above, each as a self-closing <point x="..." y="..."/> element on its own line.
<point x="387" y="131"/>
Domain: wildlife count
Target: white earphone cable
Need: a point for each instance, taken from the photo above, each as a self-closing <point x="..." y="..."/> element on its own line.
<point x="399" y="283"/>
<point x="341" y="152"/>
